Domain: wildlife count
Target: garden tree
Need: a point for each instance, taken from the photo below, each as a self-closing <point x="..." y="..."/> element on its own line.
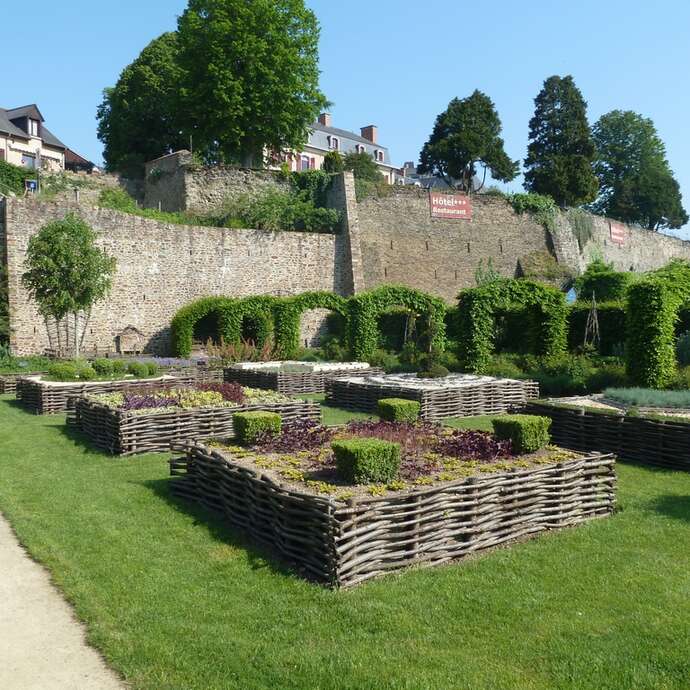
<point x="363" y="166"/>
<point x="250" y="76"/>
<point x="66" y="273"/>
<point x="139" y="118"/>
<point x="333" y="162"/>
<point x="636" y="184"/>
<point x="467" y="135"/>
<point x="561" y="149"/>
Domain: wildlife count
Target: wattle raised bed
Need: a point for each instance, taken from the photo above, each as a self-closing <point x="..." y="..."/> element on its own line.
<point x="8" y="382"/>
<point x="124" y="432"/>
<point x="50" y="397"/>
<point x="342" y="543"/>
<point x="457" y="395"/>
<point x="292" y="382"/>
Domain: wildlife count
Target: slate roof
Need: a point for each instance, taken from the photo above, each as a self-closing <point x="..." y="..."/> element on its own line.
<point x="8" y="127"/>
<point x="343" y="134"/>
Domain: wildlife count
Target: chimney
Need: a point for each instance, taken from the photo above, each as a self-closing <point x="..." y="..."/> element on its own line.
<point x="370" y="132"/>
<point x="325" y="119"/>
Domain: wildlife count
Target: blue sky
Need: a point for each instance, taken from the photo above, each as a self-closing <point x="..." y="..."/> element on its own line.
<point x="395" y="64"/>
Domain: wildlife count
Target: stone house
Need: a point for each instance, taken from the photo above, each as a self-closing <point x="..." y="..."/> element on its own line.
<point x="26" y="141"/>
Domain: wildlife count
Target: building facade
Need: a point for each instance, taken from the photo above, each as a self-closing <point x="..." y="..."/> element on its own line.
<point x="26" y="141"/>
<point x="324" y="138"/>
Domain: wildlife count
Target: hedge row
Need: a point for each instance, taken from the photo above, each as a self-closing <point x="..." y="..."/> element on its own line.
<point x="612" y="325"/>
<point x="279" y="318"/>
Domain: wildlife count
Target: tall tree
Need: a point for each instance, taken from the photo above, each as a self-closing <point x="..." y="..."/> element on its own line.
<point x="139" y="118"/>
<point x="66" y="273"/>
<point x="636" y="184"/>
<point x="561" y="149"/>
<point x="465" y="136"/>
<point x="251" y="76"/>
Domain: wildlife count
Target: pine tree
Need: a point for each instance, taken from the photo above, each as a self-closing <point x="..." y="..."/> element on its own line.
<point x="561" y="150"/>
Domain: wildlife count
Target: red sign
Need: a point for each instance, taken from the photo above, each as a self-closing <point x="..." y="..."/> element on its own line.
<point x="619" y="233"/>
<point x="453" y="206"/>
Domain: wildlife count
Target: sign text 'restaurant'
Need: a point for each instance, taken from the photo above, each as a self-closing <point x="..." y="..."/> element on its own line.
<point x="453" y="206"/>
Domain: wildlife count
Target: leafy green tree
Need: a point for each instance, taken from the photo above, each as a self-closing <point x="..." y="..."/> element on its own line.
<point x="467" y="135"/>
<point x="636" y="184"/>
<point x="250" y="76"/>
<point x="333" y="162"/>
<point x="139" y="118"/>
<point x="561" y="150"/>
<point x="363" y="166"/>
<point x="67" y="274"/>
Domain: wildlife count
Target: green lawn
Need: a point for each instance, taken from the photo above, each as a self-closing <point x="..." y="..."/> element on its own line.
<point x="176" y="600"/>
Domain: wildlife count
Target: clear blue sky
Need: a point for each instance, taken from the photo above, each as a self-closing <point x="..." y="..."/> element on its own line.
<point x="391" y="63"/>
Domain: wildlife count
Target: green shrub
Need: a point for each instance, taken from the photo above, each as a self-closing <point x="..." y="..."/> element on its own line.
<point x="434" y="371"/>
<point x="388" y="361"/>
<point x="398" y="409"/>
<point x="103" y="367"/>
<point x="366" y="460"/>
<point x="12" y="178"/>
<point x="85" y="372"/>
<point x="119" y="366"/>
<point x="602" y="281"/>
<point x="138" y="369"/>
<point x="649" y="397"/>
<point x="528" y="433"/>
<point x="609" y="375"/>
<point x="683" y="349"/>
<point x="249" y="426"/>
<point x="152" y="368"/>
<point x="504" y="366"/>
<point x="63" y="371"/>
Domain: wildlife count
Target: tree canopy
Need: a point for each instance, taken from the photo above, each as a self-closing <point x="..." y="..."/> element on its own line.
<point x="467" y="135"/>
<point x="636" y="184"/>
<point x="66" y="273"/>
<point x="250" y="76"/>
<point x="139" y="118"/>
<point x="561" y="150"/>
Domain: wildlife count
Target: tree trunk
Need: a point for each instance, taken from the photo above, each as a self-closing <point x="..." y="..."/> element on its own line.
<point x="76" y="335"/>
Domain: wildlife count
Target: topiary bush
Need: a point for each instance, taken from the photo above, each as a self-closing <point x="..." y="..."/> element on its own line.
<point x="366" y="460"/>
<point x="249" y="426"/>
<point x="85" y="372"/>
<point x="527" y="433"/>
<point x="602" y="281"/>
<point x="103" y="367"/>
<point x="119" y="366"/>
<point x="138" y="369"/>
<point x="63" y="371"/>
<point x="433" y="371"/>
<point x="398" y="409"/>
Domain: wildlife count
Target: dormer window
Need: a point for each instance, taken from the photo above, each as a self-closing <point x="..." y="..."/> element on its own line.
<point x="333" y="143"/>
<point x="33" y="127"/>
<point x="360" y="149"/>
<point x="378" y="156"/>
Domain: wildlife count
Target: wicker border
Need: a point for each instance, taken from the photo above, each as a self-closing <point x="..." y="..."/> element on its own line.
<point x="43" y="398"/>
<point x="293" y="383"/>
<point x="497" y="396"/>
<point x="8" y="382"/>
<point x="123" y="433"/>
<point x="659" y="442"/>
<point x="343" y="544"/>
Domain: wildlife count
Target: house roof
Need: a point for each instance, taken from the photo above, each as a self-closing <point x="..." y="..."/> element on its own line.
<point x="50" y="139"/>
<point x="7" y="126"/>
<point x="344" y="134"/>
<point x="30" y="110"/>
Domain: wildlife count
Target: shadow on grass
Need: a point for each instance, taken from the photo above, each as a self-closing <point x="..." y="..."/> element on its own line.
<point x="259" y="557"/>
<point x="674" y="506"/>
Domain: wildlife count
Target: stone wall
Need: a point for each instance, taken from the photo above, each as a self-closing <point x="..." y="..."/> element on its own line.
<point x="176" y="183"/>
<point x="161" y="267"/>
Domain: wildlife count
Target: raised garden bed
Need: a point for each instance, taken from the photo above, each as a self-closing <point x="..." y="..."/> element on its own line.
<point x="8" y="382"/>
<point x="293" y="378"/>
<point x="50" y="397"/>
<point x="343" y="542"/>
<point x="127" y="432"/>
<point x="456" y="395"/>
<point x="588" y="424"/>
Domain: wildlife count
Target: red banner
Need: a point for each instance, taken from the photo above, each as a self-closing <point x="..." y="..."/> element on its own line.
<point x="453" y="206"/>
<point x="619" y="232"/>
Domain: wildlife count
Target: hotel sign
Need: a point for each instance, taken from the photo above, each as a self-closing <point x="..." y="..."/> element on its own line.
<point x="619" y="232"/>
<point x="453" y="206"/>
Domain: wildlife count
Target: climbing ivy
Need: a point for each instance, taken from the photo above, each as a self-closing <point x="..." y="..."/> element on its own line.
<point x="542" y="207"/>
<point x="544" y="307"/>
<point x="365" y="308"/>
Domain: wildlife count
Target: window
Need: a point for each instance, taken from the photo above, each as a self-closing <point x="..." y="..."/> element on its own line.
<point x="304" y="163"/>
<point x="360" y="149"/>
<point x="29" y="160"/>
<point x="333" y="143"/>
<point x="33" y="127"/>
<point x="2" y="154"/>
<point x="378" y="155"/>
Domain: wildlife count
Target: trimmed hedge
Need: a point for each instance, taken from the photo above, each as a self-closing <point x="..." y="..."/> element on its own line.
<point x="398" y="409"/>
<point x="249" y="426"/>
<point x="528" y="433"/>
<point x="601" y="280"/>
<point x="612" y="325"/>
<point x="366" y="307"/>
<point x="366" y="460"/>
<point x="545" y="311"/>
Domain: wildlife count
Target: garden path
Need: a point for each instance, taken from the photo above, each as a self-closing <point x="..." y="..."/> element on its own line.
<point x="42" y="645"/>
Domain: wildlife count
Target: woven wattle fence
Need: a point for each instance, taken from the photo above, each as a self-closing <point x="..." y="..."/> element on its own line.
<point x="485" y="397"/>
<point x="8" y="382"/>
<point x="663" y="443"/>
<point x="122" y="432"/>
<point x="43" y="397"/>
<point x="292" y="383"/>
<point x="342" y="544"/>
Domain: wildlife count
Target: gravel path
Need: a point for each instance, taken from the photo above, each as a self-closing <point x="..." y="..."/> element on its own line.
<point x="42" y="645"/>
